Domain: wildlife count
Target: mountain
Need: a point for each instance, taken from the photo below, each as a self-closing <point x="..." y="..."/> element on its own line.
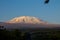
<point x="27" y="19"/>
<point x="27" y="22"/>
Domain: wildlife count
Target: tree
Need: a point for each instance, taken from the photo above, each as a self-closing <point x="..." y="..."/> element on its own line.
<point x="17" y="34"/>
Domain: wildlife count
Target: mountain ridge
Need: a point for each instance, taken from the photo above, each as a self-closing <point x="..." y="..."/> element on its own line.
<point x="27" y="22"/>
<point x="27" y="19"/>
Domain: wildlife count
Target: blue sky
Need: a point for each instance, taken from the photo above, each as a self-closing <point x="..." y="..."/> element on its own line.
<point x="47" y="12"/>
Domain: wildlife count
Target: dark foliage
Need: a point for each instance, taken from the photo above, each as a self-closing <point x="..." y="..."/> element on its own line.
<point x="34" y="35"/>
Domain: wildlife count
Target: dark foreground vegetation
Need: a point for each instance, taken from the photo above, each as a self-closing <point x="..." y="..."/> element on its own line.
<point x="44" y="34"/>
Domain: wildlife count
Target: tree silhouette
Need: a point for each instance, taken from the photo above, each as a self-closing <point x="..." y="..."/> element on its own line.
<point x="27" y="36"/>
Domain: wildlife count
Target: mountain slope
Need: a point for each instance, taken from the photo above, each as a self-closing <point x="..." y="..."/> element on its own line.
<point x="27" y="22"/>
<point x="27" y="19"/>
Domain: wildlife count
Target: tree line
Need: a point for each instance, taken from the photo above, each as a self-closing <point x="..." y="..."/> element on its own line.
<point x="34" y="35"/>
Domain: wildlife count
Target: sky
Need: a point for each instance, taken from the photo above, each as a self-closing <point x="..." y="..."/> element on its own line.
<point x="14" y="8"/>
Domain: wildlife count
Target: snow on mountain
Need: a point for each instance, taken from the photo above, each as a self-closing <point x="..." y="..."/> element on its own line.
<point x="27" y="19"/>
<point x="27" y="22"/>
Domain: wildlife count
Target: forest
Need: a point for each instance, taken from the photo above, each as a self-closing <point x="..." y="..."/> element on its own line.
<point x="43" y="34"/>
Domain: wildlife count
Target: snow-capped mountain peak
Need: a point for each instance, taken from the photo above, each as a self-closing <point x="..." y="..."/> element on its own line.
<point x="26" y="19"/>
